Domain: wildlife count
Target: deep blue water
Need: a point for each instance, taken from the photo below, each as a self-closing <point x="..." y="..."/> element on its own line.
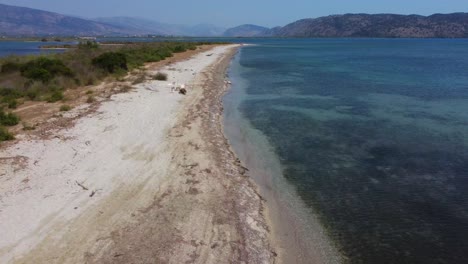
<point x="372" y="134"/>
<point x="19" y="48"/>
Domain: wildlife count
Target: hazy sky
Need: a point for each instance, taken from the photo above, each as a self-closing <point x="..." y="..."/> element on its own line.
<point x="235" y="12"/>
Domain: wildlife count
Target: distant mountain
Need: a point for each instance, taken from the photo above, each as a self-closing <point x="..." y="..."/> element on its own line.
<point x="146" y="25"/>
<point x="204" y="30"/>
<point x="23" y="21"/>
<point x="143" y="25"/>
<point x="157" y="28"/>
<point x="381" y="25"/>
<point x="247" y="30"/>
<point x="32" y="22"/>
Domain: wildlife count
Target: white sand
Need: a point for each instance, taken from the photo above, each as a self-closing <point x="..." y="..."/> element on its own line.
<point x="122" y="144"/>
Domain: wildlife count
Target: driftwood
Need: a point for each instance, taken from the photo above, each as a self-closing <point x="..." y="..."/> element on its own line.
<point x="82" y="186"/>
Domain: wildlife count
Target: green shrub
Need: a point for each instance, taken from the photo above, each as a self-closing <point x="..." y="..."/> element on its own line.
<point x="8" y="119"/>
<point x="55" y="96"/>
<point x="12" y="93"/>
<point x="33" y="94"/>
<point x="88" y="45"/>
<point x="12" y="103"/>
<point x="111" y="61"/>
<point x="89" y="92"/>
<point x="44" y="69"/>
<point x="10" y="66"/>
<point x="160" y="76"/>
<point x="65" y="108"/>
<point x="5" y="135"/>
<point x="38" y="74"/>
<point x="164" y="52"/>
<point x="30" y="76"/>
<point x="179" y="48"/>
<point x="9" y="97"/>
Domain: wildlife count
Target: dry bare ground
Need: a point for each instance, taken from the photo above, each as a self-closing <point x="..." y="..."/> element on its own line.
<point x="148" y="177"/>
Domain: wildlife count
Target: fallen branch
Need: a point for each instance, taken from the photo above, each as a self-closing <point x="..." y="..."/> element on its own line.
<point x="94" y="192"/>
<point x="82" y="186"/>
<point x="190" y="166"/>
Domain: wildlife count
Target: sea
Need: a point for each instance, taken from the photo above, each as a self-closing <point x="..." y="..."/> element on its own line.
<point x="363" y="143"/>
<point x="19" y="48"/>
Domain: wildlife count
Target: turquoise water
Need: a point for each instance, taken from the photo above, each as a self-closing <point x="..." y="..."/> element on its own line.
<point x="372" y="135"/>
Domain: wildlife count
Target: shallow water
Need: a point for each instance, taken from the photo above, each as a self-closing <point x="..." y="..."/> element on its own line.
<point x="372" y="135"/>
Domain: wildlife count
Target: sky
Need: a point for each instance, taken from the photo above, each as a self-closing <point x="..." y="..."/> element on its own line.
<point x="231" y="13"/>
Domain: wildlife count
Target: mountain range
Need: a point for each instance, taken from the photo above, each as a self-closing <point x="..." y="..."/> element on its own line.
<point x="148" y="26"/>
<point x="380" y="25"/>
<point x="23" y="21"/>
<point x="247" y="30"/>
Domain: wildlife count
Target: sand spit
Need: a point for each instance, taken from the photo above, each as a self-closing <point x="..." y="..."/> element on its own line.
<point x="148" y="178"/>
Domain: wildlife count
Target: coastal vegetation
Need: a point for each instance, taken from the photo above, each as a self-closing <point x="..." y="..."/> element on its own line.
<point x="160" y="76"/>
<point x="5" y="135"/>
<point x="7" y="119"/>
<point x="47" y="77"/>
<point x="65" y="108"/>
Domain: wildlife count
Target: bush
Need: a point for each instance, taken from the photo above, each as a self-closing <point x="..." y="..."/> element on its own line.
<point x="88" y="45"/>
<point x="44" y="69"/>
<point x="5" y="135"/>
<point x="89" y="92"/>
<point x="9" y="97"/>
<point x="179" y="48"/>
<point x="160" y="76"/>
<point x="65" y="108"/>
<point x="31" y="76"/>
<point x="56" y="95"/>
<point x="11" y="93"/>
<point x="164" y="52"/>
<point x="10" y="66"/>
<point x="111" y="61"/>
<point x="33" y="94"/>
<point x="8" y="119"/>
<point x="12" y="103"/>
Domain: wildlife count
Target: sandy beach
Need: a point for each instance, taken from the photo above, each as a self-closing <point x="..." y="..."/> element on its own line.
<point x="146" y="177"/>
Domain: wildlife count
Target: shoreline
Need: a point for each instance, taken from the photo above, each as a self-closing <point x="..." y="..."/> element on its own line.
<point x="161" y="187"/>
<point x="297" y="233"/>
